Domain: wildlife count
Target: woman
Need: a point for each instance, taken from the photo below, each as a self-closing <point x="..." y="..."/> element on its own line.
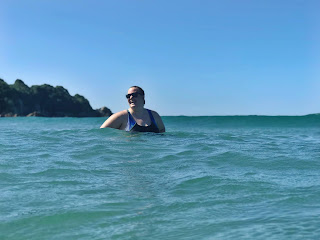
<point x="136" y="118"/>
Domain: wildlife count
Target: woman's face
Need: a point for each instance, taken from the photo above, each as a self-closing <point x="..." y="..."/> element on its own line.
<point x="135" y="98"/>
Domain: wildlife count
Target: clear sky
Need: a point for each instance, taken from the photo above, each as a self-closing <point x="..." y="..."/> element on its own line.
<point x="192" y="57"/>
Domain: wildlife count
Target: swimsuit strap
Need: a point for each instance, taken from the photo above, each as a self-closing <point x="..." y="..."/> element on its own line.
<point x="131" y="121"/>
<point x="152" y="118"/>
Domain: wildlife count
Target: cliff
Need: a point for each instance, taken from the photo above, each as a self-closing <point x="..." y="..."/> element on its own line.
<point x="44" y="100"/>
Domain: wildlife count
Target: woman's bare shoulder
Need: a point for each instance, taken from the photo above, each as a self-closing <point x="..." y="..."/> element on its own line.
<point x="121" y="113"/>
<point x="116" y="120"/>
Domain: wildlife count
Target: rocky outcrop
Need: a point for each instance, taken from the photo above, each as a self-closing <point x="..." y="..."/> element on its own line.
<point x="44" y="100"/>
<point x="104" y="112"/>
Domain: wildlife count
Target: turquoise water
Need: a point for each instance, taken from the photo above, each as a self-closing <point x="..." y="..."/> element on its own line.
<point x="206" y="178"/>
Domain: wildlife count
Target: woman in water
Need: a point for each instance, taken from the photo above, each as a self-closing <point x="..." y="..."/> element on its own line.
<point x="136" y="118"/>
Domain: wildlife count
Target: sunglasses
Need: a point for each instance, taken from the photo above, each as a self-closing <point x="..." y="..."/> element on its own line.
<point x="133" y="95"/>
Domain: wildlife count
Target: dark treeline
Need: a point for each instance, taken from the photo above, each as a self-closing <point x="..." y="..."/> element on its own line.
<point x="44" y="100"/>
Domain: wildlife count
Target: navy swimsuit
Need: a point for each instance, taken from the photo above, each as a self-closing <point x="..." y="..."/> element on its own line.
<point x="132" y="126"/>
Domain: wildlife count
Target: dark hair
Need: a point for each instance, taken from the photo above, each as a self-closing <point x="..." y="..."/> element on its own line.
<point x="140" y="90"/>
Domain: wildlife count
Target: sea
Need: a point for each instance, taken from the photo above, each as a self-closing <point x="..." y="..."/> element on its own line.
<point x="215" y="177"/>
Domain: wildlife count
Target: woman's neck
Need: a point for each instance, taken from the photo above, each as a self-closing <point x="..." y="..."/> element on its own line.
<point x="137" y="111"/>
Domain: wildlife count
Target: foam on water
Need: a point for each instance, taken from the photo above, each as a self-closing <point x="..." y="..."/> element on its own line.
<point x="206" y="178"/>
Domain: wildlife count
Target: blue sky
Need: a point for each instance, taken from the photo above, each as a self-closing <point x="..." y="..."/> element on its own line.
<point x="231" y="57"/>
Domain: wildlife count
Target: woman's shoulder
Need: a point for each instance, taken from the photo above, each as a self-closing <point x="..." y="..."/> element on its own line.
<point x="119" y="116"/>
<point x="122" y="113"/>
<point x="158" y="120"/>
<point x="116" y="120"/>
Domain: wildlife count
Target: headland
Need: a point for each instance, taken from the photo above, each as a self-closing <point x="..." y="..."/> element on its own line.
<point x="18" y="99"/>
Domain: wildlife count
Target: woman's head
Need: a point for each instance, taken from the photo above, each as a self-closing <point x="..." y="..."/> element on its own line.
<point x="135" y="96"/>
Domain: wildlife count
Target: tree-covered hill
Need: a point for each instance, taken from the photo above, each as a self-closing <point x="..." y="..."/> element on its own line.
<point x="44" y="100"/>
